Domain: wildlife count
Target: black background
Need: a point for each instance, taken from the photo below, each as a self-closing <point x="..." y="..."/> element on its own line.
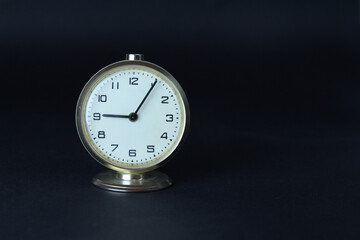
<point x="273" y="148"/>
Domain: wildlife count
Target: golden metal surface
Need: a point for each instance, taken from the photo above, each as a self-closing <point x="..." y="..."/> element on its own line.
<point x="85" y="136"/>
<point x="122" y="182"/>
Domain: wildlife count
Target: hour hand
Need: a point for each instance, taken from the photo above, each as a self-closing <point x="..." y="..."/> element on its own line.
<point x="116" y="116"/>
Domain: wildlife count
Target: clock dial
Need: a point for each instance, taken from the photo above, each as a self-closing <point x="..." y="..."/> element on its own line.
<point x="135" y="117"/>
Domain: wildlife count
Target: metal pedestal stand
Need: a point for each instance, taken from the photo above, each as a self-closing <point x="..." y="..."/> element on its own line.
<point x="122" y="182"/>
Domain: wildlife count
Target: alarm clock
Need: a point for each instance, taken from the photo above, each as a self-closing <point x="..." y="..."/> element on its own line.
<point x="132" y="116"/>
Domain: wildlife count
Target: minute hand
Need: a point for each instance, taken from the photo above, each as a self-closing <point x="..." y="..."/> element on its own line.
<point x="147" y="94"/>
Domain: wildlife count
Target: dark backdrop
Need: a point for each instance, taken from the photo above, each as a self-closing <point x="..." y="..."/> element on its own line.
<point x="273" y="149"/>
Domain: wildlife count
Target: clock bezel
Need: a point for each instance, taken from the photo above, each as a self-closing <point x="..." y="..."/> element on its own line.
<point x="81" y="108"/>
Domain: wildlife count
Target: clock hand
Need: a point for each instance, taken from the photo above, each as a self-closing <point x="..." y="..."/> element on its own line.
<point x="147" y="94"/>
<point x="116" y="116"/>
<point x="133" y="116"/>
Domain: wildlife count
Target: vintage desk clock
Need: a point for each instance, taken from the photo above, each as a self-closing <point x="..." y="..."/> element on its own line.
<point x="132" y="116"/>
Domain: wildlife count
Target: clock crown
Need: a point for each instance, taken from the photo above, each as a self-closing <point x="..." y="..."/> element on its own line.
<point x="134" y="56"/>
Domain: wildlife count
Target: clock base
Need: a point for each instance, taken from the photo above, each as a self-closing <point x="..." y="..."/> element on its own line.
<point x="122" y="182"/>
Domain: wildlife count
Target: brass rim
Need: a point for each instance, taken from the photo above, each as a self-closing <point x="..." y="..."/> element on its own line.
<point x="82" y="127"/>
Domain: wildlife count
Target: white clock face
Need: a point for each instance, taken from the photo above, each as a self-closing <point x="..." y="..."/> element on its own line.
<point x="135" y="117"/>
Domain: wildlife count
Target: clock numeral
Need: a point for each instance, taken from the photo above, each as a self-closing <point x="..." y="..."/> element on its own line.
<point x="102" y="98"/>
<point x="150" y="148"/>
<point x="164" y="135"/>
<point x="132" y="153"/>
<point x="165" y="99"/>
<point x="133" y="81"/>
<point x="115" y="146"/>
<point x="96" y="116"/>
<point x="169" y="117"/>
<point x="115" y="85"/>
<point x="101" y="134"/>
